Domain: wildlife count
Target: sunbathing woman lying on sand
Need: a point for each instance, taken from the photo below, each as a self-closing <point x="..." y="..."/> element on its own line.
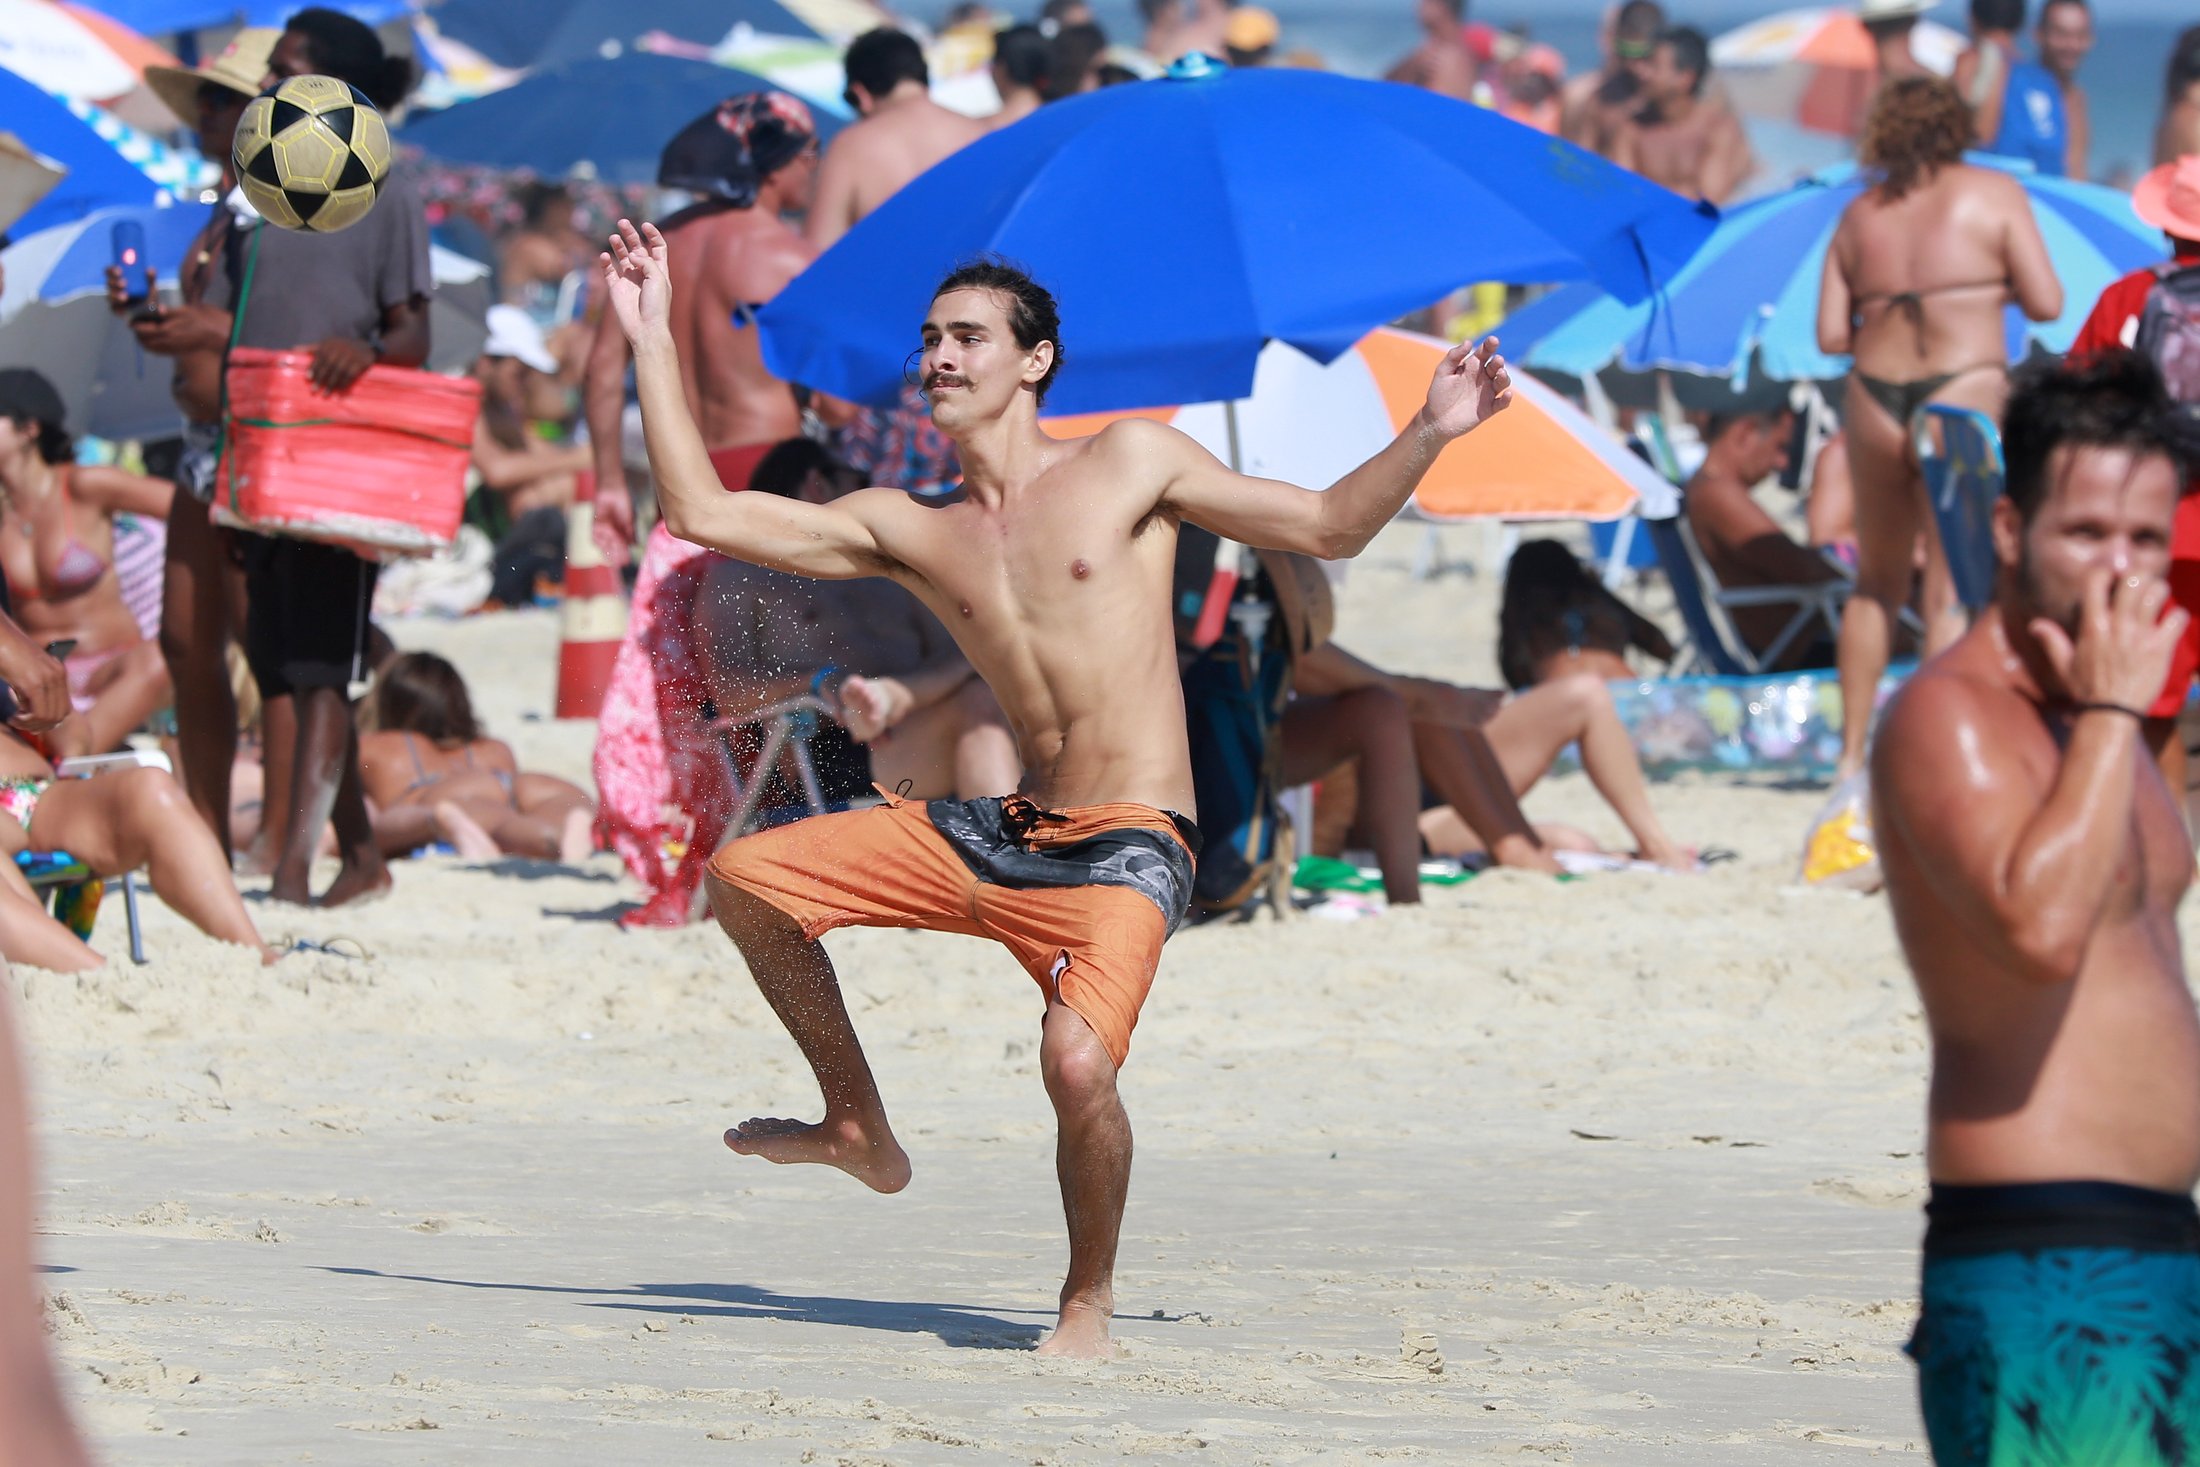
<point x="432" y="776"/>
<point x="114" y="822"/>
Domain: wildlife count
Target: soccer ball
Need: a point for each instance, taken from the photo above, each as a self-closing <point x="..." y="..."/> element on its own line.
<point x="312" y="154"/>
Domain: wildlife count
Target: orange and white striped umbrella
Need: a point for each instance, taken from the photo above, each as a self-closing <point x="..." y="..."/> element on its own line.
<point x="1542" y="458"/>
<point x="1817" y="68"/>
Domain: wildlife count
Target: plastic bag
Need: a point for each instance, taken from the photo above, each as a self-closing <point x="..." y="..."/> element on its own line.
<point x="1839" y="851"/>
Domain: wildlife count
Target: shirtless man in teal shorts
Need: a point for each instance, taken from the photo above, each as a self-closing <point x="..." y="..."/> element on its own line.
<point x="2034" y="861"/>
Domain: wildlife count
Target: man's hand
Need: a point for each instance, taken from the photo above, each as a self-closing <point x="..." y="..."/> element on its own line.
<point x="870" y="706"/>
<point x="2124" y="644"/>
<point x="638" y="279"/>
<point x="612" y="523"/>
<point x="173" y="331"/>
<point x="338" y="362"/>
<point x="1469" y="386"/>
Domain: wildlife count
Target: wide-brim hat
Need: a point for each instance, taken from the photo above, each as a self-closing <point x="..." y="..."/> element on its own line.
<point x="1870" y="10"/>
<point x="241" y="67"/>
<point x="2169" y="197"/>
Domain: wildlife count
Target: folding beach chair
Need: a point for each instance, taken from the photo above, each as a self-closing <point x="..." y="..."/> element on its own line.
<point x="56" y="875"/>
<point x="1714" y="645"/>
<point x="1959" y="450"/>
<point x="785" y="728"/>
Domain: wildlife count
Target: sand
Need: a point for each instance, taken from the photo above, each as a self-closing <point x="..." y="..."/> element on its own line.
<point x="1619" y="1170"/>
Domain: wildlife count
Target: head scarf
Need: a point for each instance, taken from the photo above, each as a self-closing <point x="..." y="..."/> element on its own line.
<point x="730" y="150"/>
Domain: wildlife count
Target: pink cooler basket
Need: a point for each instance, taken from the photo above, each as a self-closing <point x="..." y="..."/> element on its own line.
<point x="379" y="469"/>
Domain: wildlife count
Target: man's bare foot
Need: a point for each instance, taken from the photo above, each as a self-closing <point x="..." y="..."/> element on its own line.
<point x="1082" y="1332"/>
<point x="463" y="834"/>
<point x="364" y="881"/>
<point x="877" y="1162"/>
<point x="577" y="840"/>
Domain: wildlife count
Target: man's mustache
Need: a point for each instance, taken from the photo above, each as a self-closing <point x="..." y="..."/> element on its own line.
<point x="944" y="379"/>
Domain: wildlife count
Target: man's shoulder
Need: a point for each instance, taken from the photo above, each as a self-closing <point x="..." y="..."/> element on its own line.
<point x="1949" y="713"/>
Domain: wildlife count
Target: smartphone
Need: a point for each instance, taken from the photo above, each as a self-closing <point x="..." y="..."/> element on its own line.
<point x="128" y="241"/>
<point x="60" y="650"/>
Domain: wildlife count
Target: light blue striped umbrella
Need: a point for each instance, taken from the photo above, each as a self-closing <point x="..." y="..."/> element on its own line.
<point x="1752" y="290"/>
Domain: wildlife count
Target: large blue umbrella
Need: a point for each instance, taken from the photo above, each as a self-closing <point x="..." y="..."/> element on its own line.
<point x="1185" y="222"/>
<point x="615" y="115"/>
<point x="98" y="176"/>
<point x="550" y="32"/>
<point x="166" y="17"/>
<point x="1752" y="291"/>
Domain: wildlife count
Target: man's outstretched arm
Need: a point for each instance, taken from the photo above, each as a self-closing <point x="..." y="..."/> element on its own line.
<point x="1468" y="387"/>
<point x="830" y="542"/>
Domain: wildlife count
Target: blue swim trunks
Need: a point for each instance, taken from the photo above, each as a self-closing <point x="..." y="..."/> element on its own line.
<point x="2060" y="1327"/>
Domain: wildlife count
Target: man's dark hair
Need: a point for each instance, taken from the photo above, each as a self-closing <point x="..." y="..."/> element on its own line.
<point x="536" y="199"/>
<point x="1113" y="74"/>
<point x="1023" y="55"/>
<point x="2084" y="5"/>
<point x="1032" y="314"/>
<point x="1718" y="424"/>
<point x="348" y="49"/>
<point x="1639" y="20"/>
<point x="1458" y="8"/>
<point x="783" y="468"/>
<point x="1691" y="53"/>
<point x="1151" y="11"/>
<point x="2113" y="399"/>
<point x="2184" y="65"/>
<point x="880" y="60"/>
<point x="1075" y="50"/>
<point x="1997" y="15"/>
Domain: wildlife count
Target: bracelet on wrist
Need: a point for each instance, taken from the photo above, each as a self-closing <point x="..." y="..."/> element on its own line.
<point x="819" y="678"/>
<point x="2123" y="708"/>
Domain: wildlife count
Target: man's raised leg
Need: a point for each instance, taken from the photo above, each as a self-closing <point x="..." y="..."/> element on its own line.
<point x="1092" y="1156"/>
<point x="797" y="980"/>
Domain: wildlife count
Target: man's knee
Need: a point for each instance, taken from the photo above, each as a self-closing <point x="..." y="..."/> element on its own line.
<point x="1378" y="718"/>
<point x="1074" y="1062"/>
<point x="744" y="915"/>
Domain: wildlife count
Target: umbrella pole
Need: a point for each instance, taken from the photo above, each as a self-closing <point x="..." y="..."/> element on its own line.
<point x="1229" y="555"/>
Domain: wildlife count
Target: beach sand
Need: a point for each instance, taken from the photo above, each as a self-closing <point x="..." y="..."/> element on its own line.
<point x="1618" y="1170"/>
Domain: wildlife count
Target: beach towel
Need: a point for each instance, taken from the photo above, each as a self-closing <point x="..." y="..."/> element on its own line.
<point x="665" y="783"/>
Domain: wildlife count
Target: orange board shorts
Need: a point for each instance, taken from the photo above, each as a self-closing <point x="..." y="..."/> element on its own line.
<point x="1084" y="898"/>
<point x="2184" y="590"/>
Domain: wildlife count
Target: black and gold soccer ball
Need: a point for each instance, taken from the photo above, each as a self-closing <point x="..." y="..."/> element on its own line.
<point x="312" y="154"/>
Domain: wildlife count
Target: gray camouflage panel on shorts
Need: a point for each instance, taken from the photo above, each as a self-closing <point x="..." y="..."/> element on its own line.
<point x="1152" y="863"/>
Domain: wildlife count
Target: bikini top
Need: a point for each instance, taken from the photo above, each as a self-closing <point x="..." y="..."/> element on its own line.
<point x="1911" y="303"/>
<point x="76" y="570"/>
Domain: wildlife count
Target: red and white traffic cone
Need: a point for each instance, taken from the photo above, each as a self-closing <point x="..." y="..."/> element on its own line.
<point x="595" y="612"/>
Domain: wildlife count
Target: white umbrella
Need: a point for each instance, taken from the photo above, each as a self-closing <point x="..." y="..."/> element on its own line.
<point x="25" y="178"/>
<point x="84" y="57"/>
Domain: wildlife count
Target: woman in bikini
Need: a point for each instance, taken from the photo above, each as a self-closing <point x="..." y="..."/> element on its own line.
<point x="57" y="548"/>
<point x="433" y="777"/>
<point x="1919" y="270"/>
<point x="125" y="820"/>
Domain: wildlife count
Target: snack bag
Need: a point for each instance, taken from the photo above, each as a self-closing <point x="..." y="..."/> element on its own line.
<point x="1839" y="851"/>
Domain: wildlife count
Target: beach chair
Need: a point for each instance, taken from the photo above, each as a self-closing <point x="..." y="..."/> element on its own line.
<point x="1959" y="452"/>
<point x="54" y="874"/>
<point x="785" y="728"/>
<point x="1714" y="646"/>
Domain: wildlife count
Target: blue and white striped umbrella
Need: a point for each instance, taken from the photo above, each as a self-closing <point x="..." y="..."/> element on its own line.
<point x="54" y="317"/>
<point x="1752" y="290"/>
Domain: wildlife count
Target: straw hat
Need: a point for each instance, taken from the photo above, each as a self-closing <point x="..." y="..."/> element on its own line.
<point x="1870" y="10"/>
<point x="241" y="67"/>
<point x="2169" y="197"/>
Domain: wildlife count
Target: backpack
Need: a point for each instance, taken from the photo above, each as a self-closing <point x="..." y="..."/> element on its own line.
<point x="1234" y="696"/>
<point x="2169" y="335"/>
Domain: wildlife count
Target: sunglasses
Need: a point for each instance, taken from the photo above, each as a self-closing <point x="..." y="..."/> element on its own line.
<point x="1633" y="50"/>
